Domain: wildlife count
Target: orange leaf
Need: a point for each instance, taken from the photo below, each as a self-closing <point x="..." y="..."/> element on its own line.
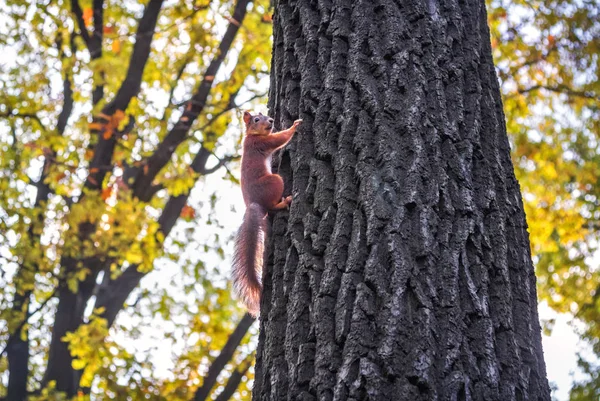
<point x="267" y="18"/>
<point x="187" y="213"/>
<point x="106" y="192"/>
<point x="116" y="119"/>
<point x="107" y="30"/>
<point x="94" y="170"/>
<point x="145" y="169"/>
<point x="96" y="126"/>
<point x="209" y="78"/>
<point x="116" y="46"/>
<point x="107" y="133"/>
<point x="88" y="13"/>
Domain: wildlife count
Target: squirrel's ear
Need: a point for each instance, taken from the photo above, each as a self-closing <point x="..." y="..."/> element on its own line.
<point x="247" y="117"/>
<point x="260" y="114"/>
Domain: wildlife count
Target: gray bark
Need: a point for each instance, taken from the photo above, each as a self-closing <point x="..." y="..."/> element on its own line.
<point x="403" y="269"/>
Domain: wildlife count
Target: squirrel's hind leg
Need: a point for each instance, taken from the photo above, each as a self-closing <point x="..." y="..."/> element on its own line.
<point x="284" y="204"/>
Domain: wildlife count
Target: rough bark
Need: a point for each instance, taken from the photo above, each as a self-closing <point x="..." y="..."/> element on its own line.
<point x="403" y="269"/>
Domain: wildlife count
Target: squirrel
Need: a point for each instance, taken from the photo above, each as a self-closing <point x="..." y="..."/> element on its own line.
<point x="262" y="192"/>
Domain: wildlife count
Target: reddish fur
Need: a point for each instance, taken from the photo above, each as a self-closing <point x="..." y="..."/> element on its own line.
<point x="262" y="191"/>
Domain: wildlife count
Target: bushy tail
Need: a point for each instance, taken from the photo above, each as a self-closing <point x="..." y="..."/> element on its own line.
<point x="248" y="257"/>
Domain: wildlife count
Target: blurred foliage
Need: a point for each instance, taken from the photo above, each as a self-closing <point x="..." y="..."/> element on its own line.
<point x="188" y="304"/>
<point x="547" y="57"/>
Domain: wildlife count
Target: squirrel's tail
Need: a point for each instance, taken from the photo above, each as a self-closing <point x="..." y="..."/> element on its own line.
<point x="248" y="257"/>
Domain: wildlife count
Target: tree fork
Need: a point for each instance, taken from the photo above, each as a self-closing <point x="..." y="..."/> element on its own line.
<point x="403" y="270"/>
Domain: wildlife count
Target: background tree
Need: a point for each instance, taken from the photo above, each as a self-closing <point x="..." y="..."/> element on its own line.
<point x="546" y="55"/>
<point x="404" y="266"/>
<point x="111" y="112"/>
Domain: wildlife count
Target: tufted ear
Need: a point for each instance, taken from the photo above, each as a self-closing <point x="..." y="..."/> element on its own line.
<point x="260" y="114"/>
<point x="247" y="117"/>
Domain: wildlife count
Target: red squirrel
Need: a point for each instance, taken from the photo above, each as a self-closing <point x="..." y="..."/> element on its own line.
<point x="262" y="192"/>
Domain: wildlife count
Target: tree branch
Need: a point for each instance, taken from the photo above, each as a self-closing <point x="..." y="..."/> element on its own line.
<point x="194" y="107"/>
<point x="16" y="332"/>
<point x="563" y="89"/>
<point x="223" y="359"/>
<point x="235" y="379"/>
<point x="172" y="91"/>
<point x="139" y="57"/>
<point x="85" y="35"/>
<point x="220" y="163"/>
<point x="130" y="87"/>
<point x="12" y="113"/>
<point x="95" y="47"/>
<point x="112" y="297"/>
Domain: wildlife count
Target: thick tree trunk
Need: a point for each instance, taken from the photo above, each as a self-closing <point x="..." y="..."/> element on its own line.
<point x="403" y="269"/>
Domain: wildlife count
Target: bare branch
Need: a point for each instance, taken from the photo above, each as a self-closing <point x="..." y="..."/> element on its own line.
<point x="234" y="380"/>
<point x="174" y="86"/>
<point x="17" y="114"/>
<point x="224" y="357"/>
<point x="220" y="163"/>
<point x="76" y="8"/>
<point x="17" y="330"/>
<point x="139" y="57"/>
<point x="561" y="89"/>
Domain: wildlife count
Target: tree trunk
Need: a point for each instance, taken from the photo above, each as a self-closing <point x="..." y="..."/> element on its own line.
<point x="403" y="269"/>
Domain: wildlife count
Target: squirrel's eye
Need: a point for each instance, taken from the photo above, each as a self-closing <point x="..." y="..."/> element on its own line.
<point x="256" y="119"/>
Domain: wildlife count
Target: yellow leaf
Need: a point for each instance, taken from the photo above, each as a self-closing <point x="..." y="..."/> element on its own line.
<point x="73" y="284"/>
<point x="134" y="255"/>
<point x="78" y="364"/>
<point x="106" y="192"/>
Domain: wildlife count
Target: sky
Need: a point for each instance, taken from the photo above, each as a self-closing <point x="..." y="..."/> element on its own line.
<point x="560" y="348"/>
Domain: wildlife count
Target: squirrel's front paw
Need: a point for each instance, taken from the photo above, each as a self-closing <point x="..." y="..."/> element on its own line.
<point x="287" y="200"/>
<point x="296" y="123"/>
